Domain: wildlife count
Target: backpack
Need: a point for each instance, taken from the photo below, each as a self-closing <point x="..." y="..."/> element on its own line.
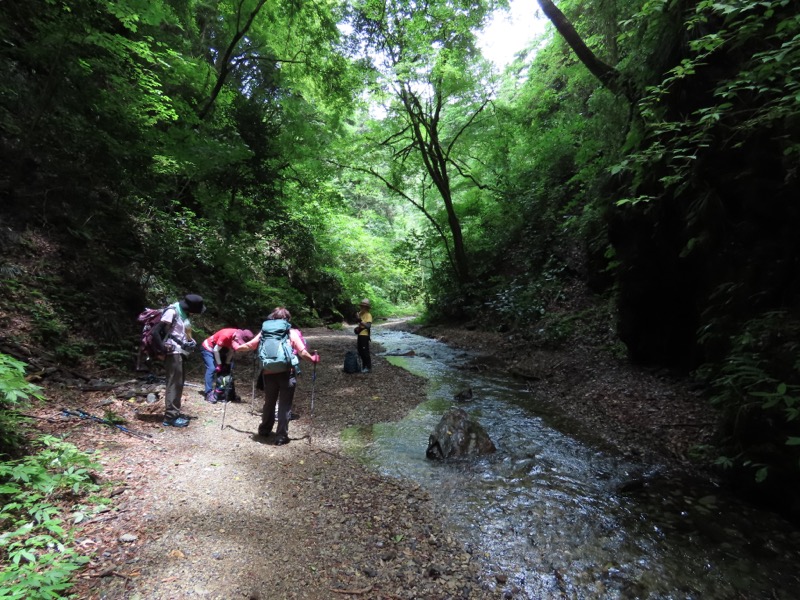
<point x="148" y="319"/>
<point x="351" y="364"/>
<point x="224" y="389"/>
<point x="274" y="349"/>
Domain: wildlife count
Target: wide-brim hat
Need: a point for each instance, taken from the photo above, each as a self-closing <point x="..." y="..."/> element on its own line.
<point x="192" y="303"/>
<point x="365" y="302"/>
<point x="243" y="336"/>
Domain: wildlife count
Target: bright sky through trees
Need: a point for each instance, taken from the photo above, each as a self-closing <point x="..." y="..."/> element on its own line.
<point x="511" y="31"/>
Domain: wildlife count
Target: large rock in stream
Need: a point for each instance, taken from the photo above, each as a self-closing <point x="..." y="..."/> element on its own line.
<point x="458" y="434"/>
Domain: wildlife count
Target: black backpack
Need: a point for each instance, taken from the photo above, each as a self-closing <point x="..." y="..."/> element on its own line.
<point x="351" y="364"/>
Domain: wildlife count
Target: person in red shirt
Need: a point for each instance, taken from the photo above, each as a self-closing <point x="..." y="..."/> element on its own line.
<point x="217" y="355"/>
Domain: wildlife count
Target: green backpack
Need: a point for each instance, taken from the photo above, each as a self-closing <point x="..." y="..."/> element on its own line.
<point x="274" y="349"/>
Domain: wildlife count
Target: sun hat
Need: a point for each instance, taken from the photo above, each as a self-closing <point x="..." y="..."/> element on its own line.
<point x="365" y="302"/>
<point x="192" y="303"/>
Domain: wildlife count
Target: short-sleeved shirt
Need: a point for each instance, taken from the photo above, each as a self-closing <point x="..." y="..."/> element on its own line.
<point x="223" y="338"/>
<point x="364" y="317"/>
<point x="297" y="340"/>
<point x="176" y="329"/>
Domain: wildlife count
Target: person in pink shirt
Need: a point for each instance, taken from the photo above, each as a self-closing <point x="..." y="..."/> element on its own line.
<point x="217" y="352"/>
<point x="279" y="387"/>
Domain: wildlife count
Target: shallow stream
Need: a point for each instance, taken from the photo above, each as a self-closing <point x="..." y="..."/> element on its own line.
<point x="556" y="516"/>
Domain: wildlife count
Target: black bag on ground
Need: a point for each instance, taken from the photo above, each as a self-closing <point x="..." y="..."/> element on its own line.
<point x="351" y="364"/>
<point x="225" y="388"/>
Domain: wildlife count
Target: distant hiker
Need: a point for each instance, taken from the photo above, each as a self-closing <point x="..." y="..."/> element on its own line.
<point x="217" y="352"/>
<point x="172" y="339"/>
<point x="280" y="346"/>
<point x="362" y="332"/>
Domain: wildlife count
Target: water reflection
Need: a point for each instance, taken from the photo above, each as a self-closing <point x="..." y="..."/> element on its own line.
<point x="562" y="517"/>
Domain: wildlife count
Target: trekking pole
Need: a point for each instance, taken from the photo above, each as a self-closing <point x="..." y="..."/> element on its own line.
<point x="85" y="415"/>
<point x="225" y="397"/>
<point x="256" y="375"/>
<point x="313" y="391"/>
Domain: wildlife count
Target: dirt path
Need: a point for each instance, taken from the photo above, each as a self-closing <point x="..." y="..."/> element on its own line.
<point x="220" y="513"/>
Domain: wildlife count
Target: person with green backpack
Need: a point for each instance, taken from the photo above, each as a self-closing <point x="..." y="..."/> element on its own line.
<point x="280" y="348"/>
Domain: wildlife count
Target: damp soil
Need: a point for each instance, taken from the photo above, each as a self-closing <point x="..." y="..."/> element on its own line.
<point x="215" y="511"/>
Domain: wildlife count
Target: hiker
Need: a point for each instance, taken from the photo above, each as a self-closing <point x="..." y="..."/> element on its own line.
<point x="362" y="332"/>
<point x="172" y="340"/>
<point x="279" y="385"/>
<point x="217" y="352"/>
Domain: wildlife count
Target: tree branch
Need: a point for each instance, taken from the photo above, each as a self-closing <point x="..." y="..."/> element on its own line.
<point x="225" y="61"/>
<point x="608" y="75"/>
<point x="470" y="177"/>
<point x="405" y="196"/>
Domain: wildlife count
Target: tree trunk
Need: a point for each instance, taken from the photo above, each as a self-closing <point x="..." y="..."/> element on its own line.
<point x="607" y="74"/>
<point x="425" y="129"/>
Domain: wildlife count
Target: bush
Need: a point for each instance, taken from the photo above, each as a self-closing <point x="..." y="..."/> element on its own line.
<point x="757" y="388"/>
<point x="15" y="393"/>
<point x="34" y="548"/>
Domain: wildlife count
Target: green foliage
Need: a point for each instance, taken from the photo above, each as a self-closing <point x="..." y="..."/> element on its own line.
<point x="746" y="46"/>
<point x="35" y="546"/>
<point x="544" y="155"/>
<point x="169" y="147"/>
<point x="15" y="394"/>
<point x="757" y="388"/>
<point x="433" y="87"/>
<point x="113" y="357"/>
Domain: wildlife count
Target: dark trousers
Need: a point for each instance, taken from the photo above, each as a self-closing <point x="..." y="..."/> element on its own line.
<point x="363" y="352"/>
<point x="278" y="388"/>
<point x="173" y="368"/>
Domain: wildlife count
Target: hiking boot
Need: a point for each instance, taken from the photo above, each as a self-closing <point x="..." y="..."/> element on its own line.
<point x="211" y="397"/>
<point x="282" y="440"/>
<point x="365" y="370"/>
<point x="263" y="431"/>
<point x="176" y="422"/>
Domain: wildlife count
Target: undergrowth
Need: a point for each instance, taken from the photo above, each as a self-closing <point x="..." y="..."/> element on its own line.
<point x="35" y="493"/>
<point x="757" y="387"/>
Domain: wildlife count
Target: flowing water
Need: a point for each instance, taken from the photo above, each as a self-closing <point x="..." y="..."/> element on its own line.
<point x="558" y="516"/>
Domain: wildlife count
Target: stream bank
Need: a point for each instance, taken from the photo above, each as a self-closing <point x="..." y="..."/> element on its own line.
<point x="652" y="414"/>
